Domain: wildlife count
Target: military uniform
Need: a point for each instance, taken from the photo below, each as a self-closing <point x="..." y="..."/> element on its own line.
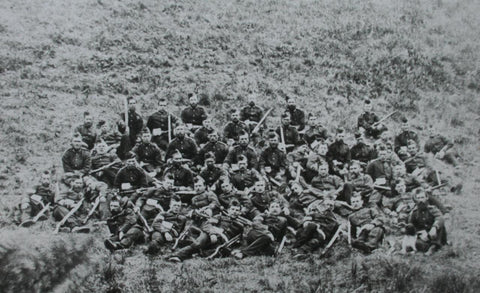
<point x="366" y="120"/>
<point x="290" y="135"/>
<point x="308" y="237"/>
<point x="233" y="129"/>
<point x="159" y="120"/>
<point x="186" y="146"/>
<point x="247" y="151"/>
<point x="182" y="176"/>
<point x="273" y="158"/>
<point x="193" y="115"/>
<point x="425" y="219"/>
<point x="244" y="178"/>
<point x="364" y="239"/>
<point x="403" y="138"/>
<point x="89" y="136"/>
<point x="201" y="135"/>
<point x="148" y="153"/>
<point x="218" y="148"/>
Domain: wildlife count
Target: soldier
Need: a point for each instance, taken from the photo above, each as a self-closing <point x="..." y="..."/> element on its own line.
<point x="381" y="169"/>
<point x="297" y="116"/>
<point x="148" y="154"/>
<point x="314" y="132"/>
<point x="76" y="161"/>
<point x="66" y="202"/>
<point x="324" y="183"/>
<point x="105" y="165"/>
<point x="361" y="151"/>
<point x="232" y="130"/>
<point x="157" y="123"/>
<point x="315" y="159"/>
<point x="121" y="221"/>
<point x="242" y="149"/>
<point x="229" y="193"/>
<point x="211" y="173"/>
<point x="218" y="148"/>
<point x="356" y="181"/>
<point x="318" y="226"/>
<point x="266" y="229"/>
<point x="404" y="136"/>
<point x="251" y="114"/>
<point x="243" y="177"/>
<point x="167" y="226"/>
<point x="203" y="197"/>
<point x="135" y="124"/>
<point x="131" y="176"/>
<point x="290" y="133"/>
<point x="112" y="138"/>
<point x="193" y="115"/>
<point x="201" y="134"/>
<point x="88" y="133"/>
<point x="441" y="147"/>
<point x="416" y="161"/>
<point x="367" y="226"/>
<point x="261" y="198"/>
<point x="41" y="195"/>
<point x="339" y="152"/>
<point x="182" y="176"/>
<point x="367" y="122"/>
<point x="428" y="223"/>
<point x="185" y="145"/>
<point x="273" y="161"/>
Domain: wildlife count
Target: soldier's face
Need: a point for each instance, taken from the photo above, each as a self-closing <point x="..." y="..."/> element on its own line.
<point x="273" y="142"/>
<point x="234" y="211"/>
<point x="412" y="149"/>
<point x="199" y="186"/>
<point x="405" y="126"/>
<point x="312" y="121"/>
<point x="180" y="132"/>
<point x="88" y="121"/>
<point x="210" y="163"/>
<point x="286" y="120"/>
<point x="114" y="206"/>
<point x="355" y="169"/>
<point x="207" y="123"/>
<point x="235" y="116"/>
<point x="132" y="105"/>
<point x="323" y="170"/>
<point x="162" y="105"/>
<point x="77" y="144"/>
<point x="400" y="187"/>
<point x="213" y="137"/>
<point x="297" y="188"/>
<point x="382" y="155"/>
<point x="104" y="128"/>
<point x="193" y="100"/>
<point x="169" y="183"/>
<point x="399" y="170"/>
<point x="322" y="149"/>
<point x="340" y="136"/>
<point x="357" y="202"/>
<point x="259" y="186"/>
<point x="422" y="197"/>
<point x="360" y="139"/>
<point x="367" y="107"/>
<point x="243" y="140"/>
<point x="131" y="162"/>
<point x="175" y="206"/>
<point x="45" y="180"/>
<point x="77" y="185"/>
<point x="226" y="187"/>
<point x="275" y="209"/>
<point x="102" y="148"/>
<point x="242" y="165"/>
<point x="146" y="137"/>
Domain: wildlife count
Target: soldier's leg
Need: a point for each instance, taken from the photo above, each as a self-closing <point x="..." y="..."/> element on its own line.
<point x="259" y="244"/>
<point x="133" y="235"/>
<point x="375" y="237"/>
<point x="200" y="242"/>
<point x="304" y="234"/>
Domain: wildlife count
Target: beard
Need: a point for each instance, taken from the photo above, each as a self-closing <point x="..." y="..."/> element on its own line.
<point x="422" y="205"/>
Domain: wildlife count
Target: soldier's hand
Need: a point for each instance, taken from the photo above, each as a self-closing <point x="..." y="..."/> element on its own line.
<point x="270" y="235"/>
<point x="213" y="238"/>
<point x="433" y="232"/>
<point x="120" y="235"/>
<point x="168" y="237"/>
<point x="440" y="155"/>
<point x="136" y="209"/>
<point x="286" y="211"/>
<point x="423" y="235"/>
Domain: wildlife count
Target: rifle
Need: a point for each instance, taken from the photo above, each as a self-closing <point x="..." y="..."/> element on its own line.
<point x="257" y="127"/>
<point x="297" y="177"/>
<point x="144" y="222"/>
<point x="281" y="245"/>
<point x="227" y="244"/>
<point x="436" y="187"/>
<point x="446" y="147"/>
<point x="67" y="216"/>
<point x="282" y="137"/>
<point x="104" y="167"/>
<point x="29" y="222"/>
<point x="92" y="210"/>
<point x="125" y="104"/>
<point x="381" y="187"/>
<point x="242" y="220"/>
<point x="169" y="119"/>
<point x="384" y="118"/>
<point x="182" y="236"/>
<point x="335" y="236"/>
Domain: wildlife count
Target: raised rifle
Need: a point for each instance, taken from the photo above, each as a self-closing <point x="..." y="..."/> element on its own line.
<point x="144" y="222"/>
<point x="92" y="210"/>
<point x="383" y="119"/>
<point x="259" y="124"/>
<point x="227" y="244"/>
<point x="330" y="243"/>
<point x="67" y="216"/>
<point x="280" y="246"/>
<point x="182" y="236"/>
<point x="169" y="122"/>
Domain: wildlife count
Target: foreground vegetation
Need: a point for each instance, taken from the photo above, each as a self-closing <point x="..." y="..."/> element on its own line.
<point x="60" y="58"/>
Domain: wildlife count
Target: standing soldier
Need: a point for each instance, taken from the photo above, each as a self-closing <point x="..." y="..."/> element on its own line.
<point x="158" y="125"/>
<point x="367" y="122"/>
<point x="76" y="161"/>
<point x="87" y="131"/>
<point x="134" y="127"/>
<point x="193" y="115"/>
<point x="297" y="116"/>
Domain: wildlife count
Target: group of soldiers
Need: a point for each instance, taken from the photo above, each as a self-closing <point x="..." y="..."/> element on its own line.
<point x="182" y="188"/>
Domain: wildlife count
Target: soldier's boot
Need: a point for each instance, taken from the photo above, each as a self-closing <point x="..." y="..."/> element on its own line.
<point x="113" y="245"/>
<point x="81" y="229"/>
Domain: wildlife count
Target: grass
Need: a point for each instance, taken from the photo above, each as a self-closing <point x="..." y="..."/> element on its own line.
<point x="60" y="58"/>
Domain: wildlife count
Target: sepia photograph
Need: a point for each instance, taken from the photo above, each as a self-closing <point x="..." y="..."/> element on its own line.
<point x="239" y="146"/>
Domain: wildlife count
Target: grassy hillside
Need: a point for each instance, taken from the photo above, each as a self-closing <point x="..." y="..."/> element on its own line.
<point x="60" y="58"/>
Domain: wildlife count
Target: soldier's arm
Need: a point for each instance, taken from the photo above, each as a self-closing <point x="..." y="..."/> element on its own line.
<point x="437" y="214"/>
<point x="88" y="163"/>
<point x="67" y="167"/>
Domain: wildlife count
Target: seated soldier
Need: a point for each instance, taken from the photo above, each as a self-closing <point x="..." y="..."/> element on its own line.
<point x="288" y="134"/>
<point x="381" y="169"/>
<point x="356" y="181"/>
<point x="297" y="116"/>
<point x="182" y="176"/>
<point x="148" y="154"/>
<point x="87" y="131"/>
<point x="242" y="149"/>
<point x="105" y="165"/>
<point x="368" y="122"/>
<point x="41" y="195"/>
<point x="441" y="147"/>
<point x="66" y="202"/>
<point x="324" y="183"/>
<point x="403" y="137"/>
<point x="76" y="161"/>
<point x="361" y="151"/>
<point x="185" y="145"/>
<point x="204" y="198"/>
<point x="428" y="223"/>
<point x="201" y="135"/>
<point x="300" y="198"/>
<point x="317" y="228"/>
<point x="167" y="226"/>
<point x="273" y="161"/>
<point x="314" y="132"/>
<point x="211" y="173"/>
<point x="261" y="198"/>
<point x="112" y="138"/>
<point x="366" y="226"/>
<point x="131" y="176"/>
<point x="266" y="229"/>
<point x="244" y="177"/>
<point x="133" y="129"/>
<point x="229" y="193"/>
<point x="218" y="148"/>
<point x="339" y="153"/>
<point x="157" y="123"/>
<point x="315" y="159"/>
<point x="234" y="128"/>
<point x="416" y="161"/>
<point x="123" y="225"/>
<point x="193" y="115"/>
